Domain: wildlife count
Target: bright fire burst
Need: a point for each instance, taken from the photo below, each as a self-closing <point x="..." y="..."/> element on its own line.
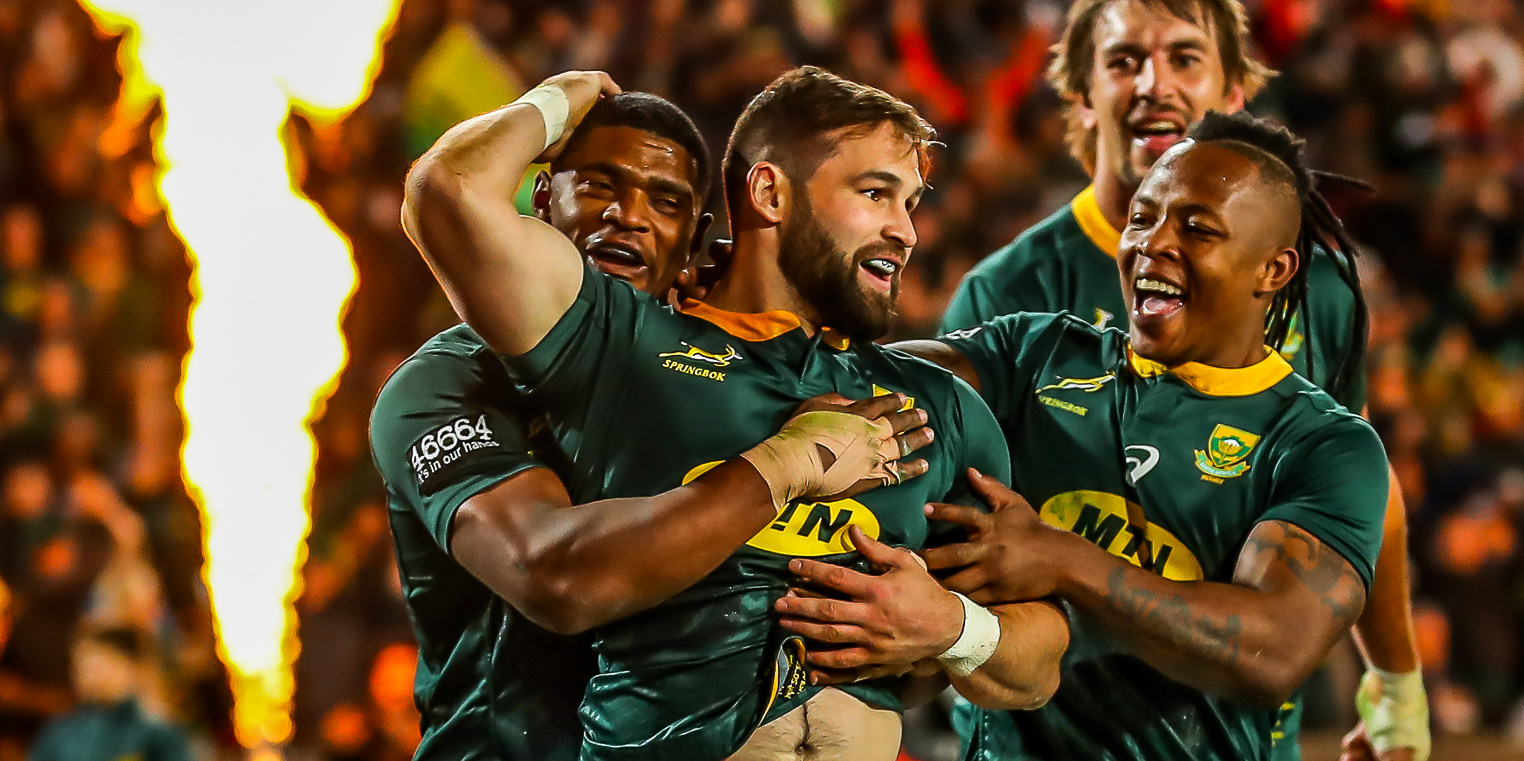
<point x="271" y="280"/>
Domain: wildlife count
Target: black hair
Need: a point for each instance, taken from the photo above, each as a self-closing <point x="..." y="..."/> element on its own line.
<point x="1280" y="156"/>
<point x="658" y="116"/>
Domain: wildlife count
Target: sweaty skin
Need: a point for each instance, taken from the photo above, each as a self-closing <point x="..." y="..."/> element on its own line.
<point x="1198" y="223"/>
<point x="455" y="212"/>
<point x="1152" y="75"/>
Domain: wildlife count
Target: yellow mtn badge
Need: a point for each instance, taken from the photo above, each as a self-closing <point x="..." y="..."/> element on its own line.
<point x="698" y="362"/>
<point x="1226" y="451"/>
<point x="1105" y="520"/>
<point x="809" y="529"/>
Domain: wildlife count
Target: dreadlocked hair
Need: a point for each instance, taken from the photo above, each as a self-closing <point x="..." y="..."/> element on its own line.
<point x="1279" y="154"/>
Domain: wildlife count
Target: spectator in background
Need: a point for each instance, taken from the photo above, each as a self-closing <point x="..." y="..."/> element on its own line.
<point x="108" y="724"/>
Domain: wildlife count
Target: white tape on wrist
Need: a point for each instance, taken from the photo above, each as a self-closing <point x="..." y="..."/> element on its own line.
<point x="980" y="637"/>
<point x="1395" y="710"/>
<point x="554" y="108"/>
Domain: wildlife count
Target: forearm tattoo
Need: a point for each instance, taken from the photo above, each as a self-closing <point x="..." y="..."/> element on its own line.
<point x="1170" y="615"/>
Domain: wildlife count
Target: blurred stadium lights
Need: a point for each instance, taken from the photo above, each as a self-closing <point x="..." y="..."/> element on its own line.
<point x="272" y="278"/>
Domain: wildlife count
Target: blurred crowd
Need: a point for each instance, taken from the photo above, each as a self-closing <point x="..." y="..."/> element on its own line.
<point x="99" y="542"/>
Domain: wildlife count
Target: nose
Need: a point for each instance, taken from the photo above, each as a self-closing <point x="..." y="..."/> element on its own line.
<point x="630" y="212"/>
<point x="1155" y="78"/>
<point x="901" y="228"/>
<point x="1161" y="242"/>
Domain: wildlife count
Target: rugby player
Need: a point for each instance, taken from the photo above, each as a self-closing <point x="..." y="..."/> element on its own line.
<point x="487" y="552"/>
<point x="821" y="176"/>
<point x="1135" y="75"/>
<point x="1210" y="518"/>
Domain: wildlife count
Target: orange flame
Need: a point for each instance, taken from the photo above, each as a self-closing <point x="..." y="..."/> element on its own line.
<point x="271" y="279"/>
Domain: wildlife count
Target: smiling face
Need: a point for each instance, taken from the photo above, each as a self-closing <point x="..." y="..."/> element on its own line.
<point x="848" y="234"/>
<point x="627" y="200"/>
<point x="1153" y="75"/>
<point x="1209" y="240"/>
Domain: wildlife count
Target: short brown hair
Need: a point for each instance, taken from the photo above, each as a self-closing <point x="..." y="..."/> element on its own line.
<point x="787" y="124"/>
<point x="1074" y="57"/>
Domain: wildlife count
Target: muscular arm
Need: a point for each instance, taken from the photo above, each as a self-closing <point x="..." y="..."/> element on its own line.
<point x="940" y="353"/>
<point x="1024" y="671"/>
<point x="510" y="277"/>
<point x="1256" y="639"/>
<point x="572" y="568"/>
<point x="1385" y="629"/>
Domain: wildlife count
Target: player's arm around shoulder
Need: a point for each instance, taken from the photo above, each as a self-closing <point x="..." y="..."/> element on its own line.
<point x="510" y="276"/>
<point x="451" y="453"/>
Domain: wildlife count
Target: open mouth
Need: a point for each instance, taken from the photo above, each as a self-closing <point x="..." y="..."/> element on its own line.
<point x="881" y="271"/>
<point x="1156" y="136"/>
<point x="615" y="258"/>
<point x="1153" y="297"/>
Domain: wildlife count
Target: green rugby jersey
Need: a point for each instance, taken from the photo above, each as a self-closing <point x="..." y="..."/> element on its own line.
<point x="1067" y="263"/>
<point x="491" y="684"/>
<point x="1203" y="455"/>
<point x="643" y="398"/>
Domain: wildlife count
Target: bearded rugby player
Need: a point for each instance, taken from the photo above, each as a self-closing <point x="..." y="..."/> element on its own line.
<point x="821" y="176"/>
<point x="1209" y="518"/>
<point x="1135" y="75"/>
<point x="487" y="551"/>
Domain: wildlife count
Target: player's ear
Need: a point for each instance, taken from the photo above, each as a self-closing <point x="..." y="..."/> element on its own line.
<point x="1236" y="100"/>
<point x="700" y="229"/>
<point x="767" y="190"/>
<point x="539" y="200"/>
<point x="1277" y="271"/>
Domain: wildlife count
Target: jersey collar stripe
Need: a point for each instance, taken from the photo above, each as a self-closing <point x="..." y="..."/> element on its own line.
<point x="758" y="326"/>
<point x="1087" y="212"/>
<point x="1220" y="381"/>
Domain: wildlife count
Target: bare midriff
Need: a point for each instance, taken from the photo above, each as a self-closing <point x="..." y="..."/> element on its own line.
<point x="832" y="726"/>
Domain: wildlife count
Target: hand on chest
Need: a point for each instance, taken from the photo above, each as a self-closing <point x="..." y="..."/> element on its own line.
<point x="1167" y="481"/>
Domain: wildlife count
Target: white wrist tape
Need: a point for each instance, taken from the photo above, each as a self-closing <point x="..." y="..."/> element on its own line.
<point x="1395" y="711"/>
<point x="554" y="108"/>
<point x="980" y="637"/>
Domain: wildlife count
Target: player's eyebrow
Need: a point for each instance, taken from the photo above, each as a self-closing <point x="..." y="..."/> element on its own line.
<point x="891" y="179"/>
<point x="653" y="184"/>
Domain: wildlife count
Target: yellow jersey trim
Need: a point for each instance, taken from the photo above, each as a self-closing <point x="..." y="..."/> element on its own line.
<point x="1220" y="381"/>
<point x="1087" y="211"/>
<point x="758" y="326"/>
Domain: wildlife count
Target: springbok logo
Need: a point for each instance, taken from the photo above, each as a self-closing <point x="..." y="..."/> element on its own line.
<point x="1226" y="451"/>
<point x="1087" y="385"/>
<point x="694" y="352"/>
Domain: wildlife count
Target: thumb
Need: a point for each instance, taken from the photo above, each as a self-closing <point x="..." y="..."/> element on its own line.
<point x="876" y="552"/>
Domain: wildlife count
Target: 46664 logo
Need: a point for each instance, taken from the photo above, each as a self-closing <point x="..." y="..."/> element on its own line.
<point x="448" y="444"/>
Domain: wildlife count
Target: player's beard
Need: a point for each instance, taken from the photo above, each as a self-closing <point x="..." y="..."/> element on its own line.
<point x="826" y="277"/>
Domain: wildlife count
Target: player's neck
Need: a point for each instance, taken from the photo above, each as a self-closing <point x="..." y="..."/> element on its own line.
<point x="755" y="282"/>
<point x="1114" y="196"/>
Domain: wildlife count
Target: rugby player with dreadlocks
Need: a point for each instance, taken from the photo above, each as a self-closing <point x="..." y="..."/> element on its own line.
<point x="1134" y="75"/>
<point x="1209" y="519"/>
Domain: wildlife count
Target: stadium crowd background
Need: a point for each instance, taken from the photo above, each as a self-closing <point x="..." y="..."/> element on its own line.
<point x="1423" y="99"/>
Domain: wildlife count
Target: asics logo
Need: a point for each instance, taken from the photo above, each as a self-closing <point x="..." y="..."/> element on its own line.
<point x="1141" y="458"/>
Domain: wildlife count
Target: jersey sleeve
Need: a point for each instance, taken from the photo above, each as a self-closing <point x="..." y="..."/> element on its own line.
<point x="983" y="447"/>
<point x="1334" y="486"/>
<point x="1001" y="352"/>
<point x="1004" y="283"/>
<point x="441" y="434"/>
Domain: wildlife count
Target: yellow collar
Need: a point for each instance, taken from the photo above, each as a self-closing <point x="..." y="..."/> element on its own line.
<point x="1087" y="211"/>
<point x="1220" y="381"/>
<point x="758" y="326"/>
